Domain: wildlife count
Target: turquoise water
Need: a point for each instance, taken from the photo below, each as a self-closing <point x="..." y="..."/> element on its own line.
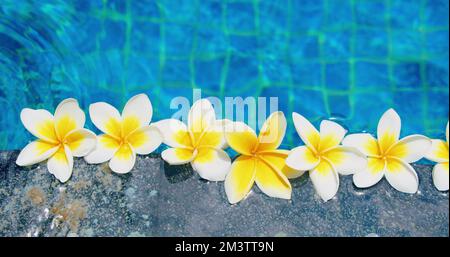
<point x="341" y="59"/>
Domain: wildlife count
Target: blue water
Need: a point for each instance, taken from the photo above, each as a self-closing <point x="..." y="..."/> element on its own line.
<point x="342" y="59"/>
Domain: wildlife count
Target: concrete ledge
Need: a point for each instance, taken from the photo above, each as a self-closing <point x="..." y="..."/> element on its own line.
<point x="158" y="200"/>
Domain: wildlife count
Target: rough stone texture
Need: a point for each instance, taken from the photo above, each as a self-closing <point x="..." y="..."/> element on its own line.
<point x="158" y="200"/>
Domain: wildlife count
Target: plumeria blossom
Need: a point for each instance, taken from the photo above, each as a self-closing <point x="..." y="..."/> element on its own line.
<point x="125" y="135"/>
<point x="200" y="143"/>
<point x="60" y="138"/>
<point x="260" y="160"/>
<point x="388" y="156"/>
<point x="323" y="156"/>
<point x="439" y="154"/>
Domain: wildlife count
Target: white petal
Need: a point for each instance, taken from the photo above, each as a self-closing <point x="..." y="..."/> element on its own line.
<point x="81" y="142"/>
<point x="40" y="123"/>
<point x="346" y="160"/>
<point x="201" y="116"/>
<point x="61" y="164"/>
<point x="272" y="181"/>
<point x="438" y="151"/>
<point x="240" y="179"/>
<point x="68" y="117"/>
<point x="411" y="148"/>
<point x="302" y="158"/>
<point x="331" y="134"/>
<point x="272" y="132"/>
<point x="325" y="180"/>
<point x="371" y="175"/>
<point x="178" y="156"/>
<point x="105" y="149"/>
<point x="402" y="176"/>
<point x="364" y="142"/>
<point x="140" y="108"/>
<point x="212" y="164"/>
<point x="446" y="133"/>
<point x="174" y="133"/>
<point x="440" y="176"/>
<point x="106" y="118"/>
<point x="309" y="135"/>
<point x="388" y="130"/>
<point x="36" y="152"/>
<point x="145" y="140"/>
<point x="123" y="160"/>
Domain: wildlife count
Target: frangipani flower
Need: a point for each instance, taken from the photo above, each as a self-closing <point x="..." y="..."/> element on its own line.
<point x="199" y="143"/>
<point x="389" y="156"/>
<point x="323" y="156"/>
<point x="260" y="160"/>
<point x="125" y="135"/>
<point x="60" y="138"/>
<point x="439" y="154"/>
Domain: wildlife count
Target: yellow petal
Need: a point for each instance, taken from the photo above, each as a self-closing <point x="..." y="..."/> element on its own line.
<point x="371" y="175"/>
<point x="272" y="133"/>
<point x="302" y="158"/>
<point x="241" y="138"/>
<point x="36" y="152"/>
<point x="106" y="118"/>
<point x="175" y="133"/>
<point x="240" y="179"/>
<point x="271" y="181"/>
<point x="81" y="142"/>
<point x="331" y="135"/>
<point x="215" y="135"/>
<point x="388" y="129"/>
<point x="68" y="117"/>
<point x="309" y="135"/>
<point x="438" y="151"/>
<point x="278" y="159"/>
<point x="61" y="164"/>
<point x="411" y="148"/>
<point x="364" y="142"/>
<point x="346" y="160"/>
<point x="212" y="164"/>
<point x="138" y="112"/>
<point x="145" y="140"/>
<point x="123" y="160"/>
<point x="105" y="149"/>
<point x="178" y="156"/>
<point x="40" y="123"/>
<point x="200" y="118"/>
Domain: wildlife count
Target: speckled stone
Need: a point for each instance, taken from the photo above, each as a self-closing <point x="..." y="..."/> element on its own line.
<point x="159" y="200"/>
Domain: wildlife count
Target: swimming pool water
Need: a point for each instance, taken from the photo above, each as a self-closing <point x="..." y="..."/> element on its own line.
<point x="344" y="59"/>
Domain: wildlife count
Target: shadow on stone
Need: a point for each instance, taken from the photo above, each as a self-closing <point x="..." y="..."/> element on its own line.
<point x="177" y="173"/>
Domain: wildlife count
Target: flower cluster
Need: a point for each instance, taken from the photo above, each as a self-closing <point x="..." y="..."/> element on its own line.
<point x="327" y="152"/>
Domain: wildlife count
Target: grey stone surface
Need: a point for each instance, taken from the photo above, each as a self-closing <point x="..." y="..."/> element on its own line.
<point x="158" y="200"/>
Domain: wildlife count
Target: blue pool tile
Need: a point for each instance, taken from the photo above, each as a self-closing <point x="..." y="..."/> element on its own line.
<point x="177" y="71"/>
<point x="283" y="95"/>
<point x="145" y="8"/>
<point x="370" y="13"/>
<point x="177" y="11"/>
<point x="276" y="70"/>
<point x="406" y="44"/>
<point x="210" y="41"/>
<point x="240" y="17"/>
<point x="437" y="105"/>
<point x="178" y="39"/>
<point x="208" y="73"/>
<point x="368" y="109"/>
<point x="245" y="45"/>
<point x="307" y="74"/>
<point x="309" y="102"/>
<point x="406" y="104"/>
<point x="436" y="13"/>
<point x="437" y="74"/>
<point x="273" y="16"/>
<point x="336" y="45"/>
<point x="209" y="14"/>
<point x="117" y="5"/>
<point x="339" y="13"/>
<point x="273" y="45"/>
<point x="405" y="14"/>
<point x="372" y="75"/>
<point x="243" y="71"/>
<point x="407" y="75"/>
<point x="371" y="43"/>
<point x="304" y="47"/>
<point x="113" y="29"/>
<point x="142" y="71"/>
<point x="145" y="38"/>
<point x="339" y="106"/>
<point x="307" y="15"/>
<point x="437" y="43"/>
<point x="337" y="76"/>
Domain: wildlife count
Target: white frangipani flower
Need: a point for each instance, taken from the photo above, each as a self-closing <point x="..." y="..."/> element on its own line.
<point x="439" y="154"/>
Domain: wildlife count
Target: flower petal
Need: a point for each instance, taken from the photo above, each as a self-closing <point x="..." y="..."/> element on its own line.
<point x="271" y="181"/>
<point x="438" y="151"/>
<point x="446" y="133"/>
<point x="178" y="156"/>
<point x="278" y="158"/>
<point x="325" y="180"/>
<point x="346" y="160"/>
<point x="68" y="117"/>
<point x="36" y="152"/>
<point x="440" y="176"/>
<point x="105" y="149"/>
<point x="81" y="142"/>
<point x="309" y="135"/>
<point x="61" y="164"/>
<point x="40" y="123"/>
<point x="371" y="175"/>
<point x="388" y="129"/>
<point x="106" y="118"/>
<point x="241" y="138"/>
<point x="215" y="135"/>
<point x="200" y="118"/>
<point x="123" y="160"/>
<point x="145" y="140"/>
<point x="175" y="133"/>
<point x="401" y="176"/>
<point x="138" y="112"/>
<point x="302" y="158"/>
<point x="364" y="142"/>
<point x="240" y="179"/>
<point x="272" y="133"/>
<point x="411" y="148"/>
<point x="331" y="134"/>
<point x="212" y="164"/>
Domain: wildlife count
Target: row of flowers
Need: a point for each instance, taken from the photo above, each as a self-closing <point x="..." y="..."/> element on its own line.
<point x="327" y="152"/>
